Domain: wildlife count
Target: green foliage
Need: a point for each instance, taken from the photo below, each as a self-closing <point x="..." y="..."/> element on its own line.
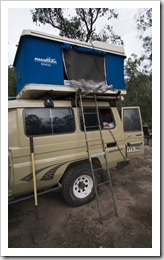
<point x="11" y="81"/>
<point x="139" y="94"/>
<point x="80" y="26"/>
<point x="139" y="89"/>
<point x="144" y="26"/>
<point x="138" y="72"/>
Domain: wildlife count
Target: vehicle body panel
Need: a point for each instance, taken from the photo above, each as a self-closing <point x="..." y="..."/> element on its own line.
<point x="55" y="153"/>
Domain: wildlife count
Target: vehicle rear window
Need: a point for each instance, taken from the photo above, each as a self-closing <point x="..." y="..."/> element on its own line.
<point x="131" y="119"/>
<point x="48" y="121"/>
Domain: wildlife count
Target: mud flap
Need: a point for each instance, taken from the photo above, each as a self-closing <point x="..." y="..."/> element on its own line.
<point x="122" y="164"/>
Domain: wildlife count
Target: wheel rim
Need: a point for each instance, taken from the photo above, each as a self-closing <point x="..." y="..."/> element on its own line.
<point x="82" y="186"/>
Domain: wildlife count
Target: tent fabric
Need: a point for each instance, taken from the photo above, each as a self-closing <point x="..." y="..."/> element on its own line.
<point x="80" y="65"/>
<point x="115" y="71"/>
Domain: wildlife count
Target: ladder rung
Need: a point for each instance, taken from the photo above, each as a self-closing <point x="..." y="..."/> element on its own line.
<point x="90" y="113"/>
<point x="102" y="183"/>
<point x="92" y="126"/>
<point x="94" y="139"/>
<point x="97" y="154"/>
<point x="97" y="169"/>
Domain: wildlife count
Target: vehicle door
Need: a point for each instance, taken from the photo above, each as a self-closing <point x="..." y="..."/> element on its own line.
<point x="132" y="126"/>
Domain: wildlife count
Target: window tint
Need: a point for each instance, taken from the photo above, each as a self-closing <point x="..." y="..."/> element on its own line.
<point x="131" y="119"/>
<point x="90" y="119"/>
<point x="106" y="119"/>
<point x="62" y="120"/>
<point x="47" y="121"/>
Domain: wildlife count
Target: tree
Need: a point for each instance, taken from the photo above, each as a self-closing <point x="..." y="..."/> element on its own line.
<point x="138" y="87"/>
<point x="144" y="25"/>
<point x="138" y="73"/>
<point x="81" y="26"/>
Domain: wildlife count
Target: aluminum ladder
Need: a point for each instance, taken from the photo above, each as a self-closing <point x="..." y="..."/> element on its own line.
<point x="91" y="156"/>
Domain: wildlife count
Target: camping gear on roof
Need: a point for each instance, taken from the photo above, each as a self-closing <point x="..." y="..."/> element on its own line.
<point x="53" y="60"/>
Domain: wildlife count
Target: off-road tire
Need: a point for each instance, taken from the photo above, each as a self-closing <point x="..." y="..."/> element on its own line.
<point x="78" y="185"/>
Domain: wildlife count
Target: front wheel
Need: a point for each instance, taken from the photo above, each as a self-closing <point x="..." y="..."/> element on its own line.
<point x="78" y="185"/>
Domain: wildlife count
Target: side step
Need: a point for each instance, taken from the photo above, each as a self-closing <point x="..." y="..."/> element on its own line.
<point x="97" y="154"/>
<point x="22" y="198"/>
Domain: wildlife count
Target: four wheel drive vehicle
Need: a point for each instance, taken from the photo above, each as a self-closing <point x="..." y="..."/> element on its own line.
<point x="70" y="137"/>
<point x="61" y="157"/>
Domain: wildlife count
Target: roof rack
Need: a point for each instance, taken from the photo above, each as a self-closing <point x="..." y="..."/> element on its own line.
<point x="35" y="91"/>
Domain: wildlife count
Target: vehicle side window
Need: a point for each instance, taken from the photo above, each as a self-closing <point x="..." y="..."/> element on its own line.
<point x="131" y="119"/>
<point x="62" y="120"/>
<point x="48" y="121"/>
<point x="106" y="118"/>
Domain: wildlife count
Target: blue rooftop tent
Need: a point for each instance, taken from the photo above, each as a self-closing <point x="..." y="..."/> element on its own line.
<point x="44" y="60"/>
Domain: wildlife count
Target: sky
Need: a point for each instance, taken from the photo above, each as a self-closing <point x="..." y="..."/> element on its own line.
<point x="125" y="26"/>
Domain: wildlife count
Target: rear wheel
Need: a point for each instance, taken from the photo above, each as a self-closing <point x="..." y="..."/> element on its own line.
<point x="78" y="185"/>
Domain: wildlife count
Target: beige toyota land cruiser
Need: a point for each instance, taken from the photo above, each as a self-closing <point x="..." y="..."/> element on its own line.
<point x="61" y="157"/>
<point x="52" y="73"/>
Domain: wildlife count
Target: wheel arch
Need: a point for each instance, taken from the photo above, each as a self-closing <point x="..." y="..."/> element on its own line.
<point x="72" y="164"/>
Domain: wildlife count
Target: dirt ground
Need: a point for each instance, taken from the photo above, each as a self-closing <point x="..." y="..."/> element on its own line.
<point x="80" y="227"/>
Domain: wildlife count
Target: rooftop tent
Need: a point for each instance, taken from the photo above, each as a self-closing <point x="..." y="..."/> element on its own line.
<point x="46" y="59"/>
<point x="38" y="61"/>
